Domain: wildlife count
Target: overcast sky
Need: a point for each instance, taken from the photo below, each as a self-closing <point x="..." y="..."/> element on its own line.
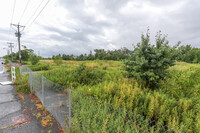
<point x="78" y="26"/>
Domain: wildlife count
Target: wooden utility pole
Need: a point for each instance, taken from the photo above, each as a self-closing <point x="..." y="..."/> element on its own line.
<point x="18" y="35"/>
<point x="11" y="46"/>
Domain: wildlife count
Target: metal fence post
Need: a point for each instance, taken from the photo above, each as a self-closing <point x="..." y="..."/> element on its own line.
<point x="69" y="110"/>
<point x="10" y="65"/>
<point x="30" y="78"/>
<point x="43" y="99"/>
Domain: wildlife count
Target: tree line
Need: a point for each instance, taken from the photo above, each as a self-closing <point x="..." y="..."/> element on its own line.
<point x="185" y="53"/>
<point x="100" y="54"/>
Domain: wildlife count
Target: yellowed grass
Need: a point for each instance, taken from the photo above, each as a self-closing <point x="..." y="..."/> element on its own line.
<point x="71" y="62"/>
<point x="91" y="64"/>
<point x="182" y="66"/>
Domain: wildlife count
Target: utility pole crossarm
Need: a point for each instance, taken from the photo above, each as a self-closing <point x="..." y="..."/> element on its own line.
<point x="17" y="25"/>
<point x="11" y="46"/>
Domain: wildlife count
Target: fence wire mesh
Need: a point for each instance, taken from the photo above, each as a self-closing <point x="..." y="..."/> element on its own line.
<point x="37" y="85"/>
<point x="56" y="101"/>
<point x="24" y="70"/>
<point x="50" y="94"/>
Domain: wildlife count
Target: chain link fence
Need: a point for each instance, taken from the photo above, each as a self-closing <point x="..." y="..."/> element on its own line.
<point x="24" y="70"/>
<point x="50" y="95"/>
<point x="55" y="101"/>
<point x="89" y="114"/>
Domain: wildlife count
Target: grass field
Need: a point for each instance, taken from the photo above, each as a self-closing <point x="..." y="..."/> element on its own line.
<point x="103" y="98"/>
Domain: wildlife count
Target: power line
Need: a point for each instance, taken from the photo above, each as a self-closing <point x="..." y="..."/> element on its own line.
<point x="34" y="12"/>
<point x="24" y="10"/>
<point x="39" y="13"/>
<point x="15" y="47"/>
<point x="13" y="11"/>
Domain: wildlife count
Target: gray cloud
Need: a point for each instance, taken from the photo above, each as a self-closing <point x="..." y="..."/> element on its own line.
<point x="179" y="19"/>
<point x="116" y="23"/>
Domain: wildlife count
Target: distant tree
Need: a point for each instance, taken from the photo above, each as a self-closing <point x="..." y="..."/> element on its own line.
<point x="90" y="56"/>
<point x="182" y="51"/>
<point x="66" y="57"/>
<point x="34" y="59"/>
<point x="80" y="58"/>
<point x="99" y="54"/>
<point x="188" y="54"/>
<point x="58" y="60"/>
<point x="72" y="57"/>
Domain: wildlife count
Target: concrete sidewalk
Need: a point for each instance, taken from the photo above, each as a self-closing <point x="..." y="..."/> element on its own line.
<point x="14" y="116"/>
<point x="11" y="111"/>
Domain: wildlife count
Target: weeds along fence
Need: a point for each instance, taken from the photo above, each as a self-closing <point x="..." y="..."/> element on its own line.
<point x="56" y="102"/>
<point x="89" y="114"/>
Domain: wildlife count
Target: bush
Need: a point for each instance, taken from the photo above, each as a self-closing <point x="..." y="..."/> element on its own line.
<point x="88" y="75"/>
<point x="22" y="84"/>
<point x="40" y="67"/>
<point x="80" y="76"/>
<point x="149" y="63"/>
<point x="58" y="60"/>
<point x="34" y="59"/>
<point x="6" y="61"/>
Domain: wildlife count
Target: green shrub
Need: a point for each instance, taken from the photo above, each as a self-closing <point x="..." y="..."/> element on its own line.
<point x="88" y="75"/>
<point x="6" y="61"/>
<point x="39" y="67"/>
<point x="26" y="63"/>
<point x="22" y="84"/>
<point x="149" y="63"/>
<point x="82" y="75"/>
<point x="34" y="59"/>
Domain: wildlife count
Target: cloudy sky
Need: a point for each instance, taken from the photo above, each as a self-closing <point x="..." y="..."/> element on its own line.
<point x="78" y="26"/>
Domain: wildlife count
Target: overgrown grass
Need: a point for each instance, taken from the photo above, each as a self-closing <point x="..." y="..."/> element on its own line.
<point x="175" y="104"/>
<point x="93" y="115"/>
<point x="76" y="77"/>
<point x="39" y="67"/>
<point x="22" y="82"/>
